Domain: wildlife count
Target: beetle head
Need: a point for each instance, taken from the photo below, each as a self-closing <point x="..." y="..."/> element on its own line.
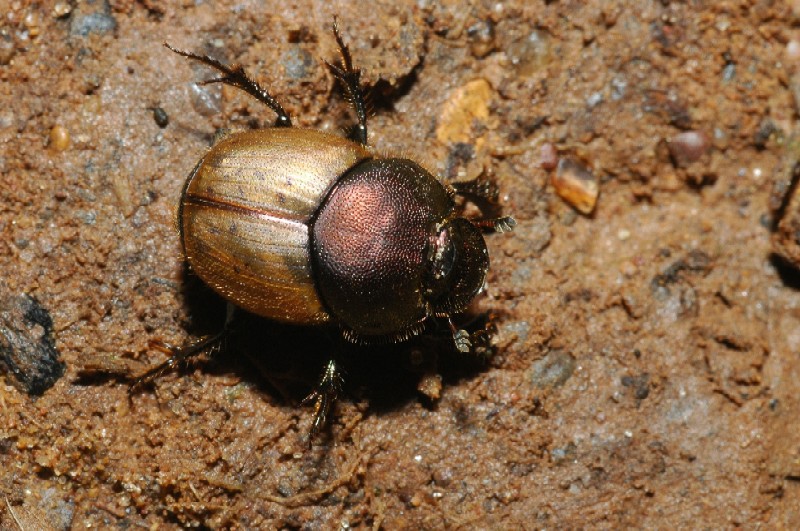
<point x="457" y="266"/>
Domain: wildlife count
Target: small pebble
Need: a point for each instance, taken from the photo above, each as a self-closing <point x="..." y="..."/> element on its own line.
<point x="59" y="138"/>
<point x="729" y="72"/>
<point x="619" y="85"/>
<point x="553" y="370"/>
<point x="563" y="454"/>
<point x="466" y="105"/>
<point x="430" y="385"/>
<point x="481" y="36"/>
<point x="576" y="185"/>
<point x="548" y="156"/>
<point x="207" y="101"/>
<point x="161" y="117"/>
<point x="443" y="476"/>
<point x="99" y="23"/>
<point x="297" y="62"/>
<point x="29" y="359"/>
<point x="689" y="146"/>
<point x="61" y="9"/>
<point x="530" y="54"/>
<point x="416" y="500"/>
<point x="32" y="24"/>
<point x="594" y="100"/>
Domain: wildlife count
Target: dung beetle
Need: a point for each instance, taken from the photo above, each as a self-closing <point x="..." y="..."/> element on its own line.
<point x="310" y="228"/>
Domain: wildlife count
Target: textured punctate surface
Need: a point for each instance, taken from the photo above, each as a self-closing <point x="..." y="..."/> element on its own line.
<point x="370" y="241"/>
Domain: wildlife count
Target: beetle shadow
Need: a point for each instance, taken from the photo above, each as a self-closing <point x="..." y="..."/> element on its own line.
<point x="787" y="271"/>
<point x="286" y="361"/>
<point x="291" y="359"/>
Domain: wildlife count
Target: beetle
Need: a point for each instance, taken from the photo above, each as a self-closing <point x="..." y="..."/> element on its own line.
<point x="311" y="228"/>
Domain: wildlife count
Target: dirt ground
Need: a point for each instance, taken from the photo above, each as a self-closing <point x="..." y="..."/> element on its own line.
<point x="646" y="361"/>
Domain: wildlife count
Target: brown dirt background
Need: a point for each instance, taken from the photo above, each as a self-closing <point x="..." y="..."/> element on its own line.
<point x="646" y="365"/>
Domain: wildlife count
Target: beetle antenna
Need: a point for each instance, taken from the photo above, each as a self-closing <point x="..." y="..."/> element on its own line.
<point x="460" y="336"/>
<point x="235" y="76"/>
<point x="504" y="224"/>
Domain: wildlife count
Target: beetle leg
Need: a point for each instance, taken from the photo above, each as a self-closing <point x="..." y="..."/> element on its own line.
<point x="351" y="79"/>
<point x="478" y="187"/>
<point x="483" y="188"/>
<point x="178" y="357"/>
<point x="324" y="396"/>
<point x="235" y="76"/>
<point x="181" y="356"/>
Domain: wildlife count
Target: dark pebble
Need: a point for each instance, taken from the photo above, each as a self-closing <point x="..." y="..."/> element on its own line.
<point x="640" y="385"/>
<point x="161" y="117"/>
<point x="28" y="355"/>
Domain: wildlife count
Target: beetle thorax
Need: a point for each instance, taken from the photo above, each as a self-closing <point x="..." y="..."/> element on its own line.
<point x="370" y="243"/>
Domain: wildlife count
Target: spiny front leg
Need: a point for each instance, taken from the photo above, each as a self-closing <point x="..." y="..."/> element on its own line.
<point x="478" y="187"/>
<point x="475" y="343"/>
<point x="483" y="188"/>
<point x="461" y="337"/>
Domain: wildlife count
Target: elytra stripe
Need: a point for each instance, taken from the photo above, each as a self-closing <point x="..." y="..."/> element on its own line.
<point x="209" y="202"/>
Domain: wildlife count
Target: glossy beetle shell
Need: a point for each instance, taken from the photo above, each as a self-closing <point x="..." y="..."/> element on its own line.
<point x="245" y="215"/>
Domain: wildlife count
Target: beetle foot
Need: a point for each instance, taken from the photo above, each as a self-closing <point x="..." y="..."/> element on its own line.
<point x="504" y="224"/>
<point x="324" y="397"/>
<point x="481" y="338"/>
<point x="178" y="357"/>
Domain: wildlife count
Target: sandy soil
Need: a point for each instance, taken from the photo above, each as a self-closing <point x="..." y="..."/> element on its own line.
<point x="645" y="367"/>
